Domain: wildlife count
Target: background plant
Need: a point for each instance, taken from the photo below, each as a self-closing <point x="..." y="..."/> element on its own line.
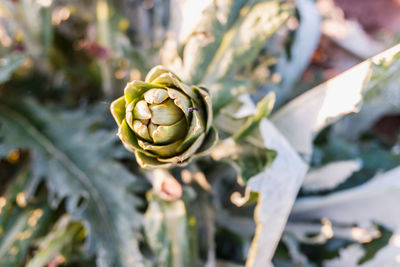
<point x="71" y="195"/>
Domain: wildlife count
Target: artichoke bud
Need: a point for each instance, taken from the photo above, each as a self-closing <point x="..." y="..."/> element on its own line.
<point x="164" y="121"/>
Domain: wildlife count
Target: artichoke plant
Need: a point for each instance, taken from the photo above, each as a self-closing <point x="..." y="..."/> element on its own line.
<point x="163" y="120"/>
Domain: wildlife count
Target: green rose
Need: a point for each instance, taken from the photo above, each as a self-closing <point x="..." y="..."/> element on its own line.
<point x="163" y="120"/>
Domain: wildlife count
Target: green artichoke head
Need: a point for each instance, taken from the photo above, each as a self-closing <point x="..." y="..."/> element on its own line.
<point x="163" y="120"/>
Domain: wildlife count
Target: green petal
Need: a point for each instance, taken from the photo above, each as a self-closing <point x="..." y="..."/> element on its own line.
<point x="210" y="140"/>
<point x="145" y="161"/>
<point x="141" y="130"/>
<point x="180" y="100"/>
<point x="128" y="138"/>
<point x="134" y="90"/>
<point x="117" y="109"/>
<point x="170" y="80"/>
<point x="195" y="129"/>
<point x="166" y="113"/>
<point x="166" y="134"/>
<point x="129" y="115"/>
<point x="161" y="150"/>
<point x="206" y="99"/>
<point x="142" y="111"/>
<point x="155" y="96"/>
<point x="187" y="153"/>
<point x="156" y="72"/>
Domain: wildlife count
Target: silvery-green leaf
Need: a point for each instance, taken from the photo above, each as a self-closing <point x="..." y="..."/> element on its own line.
<point x="244" y="40"/>
<point x="380" y="97"/>
<point x="303" y="117"/>
<point x="155" y="96"/>
<point x="305" y="41"/>
<point x="77" y="166"/>
<point x="204" y="38"/>
<point x="225" y="92"/>
<point x="264" y="108"/>
<point x="321" y="106"/>
<point x="277" y="187"/>
<point x="166" y="229"/>
<point x="248" y="159"/>
<point x="330" y="175"/>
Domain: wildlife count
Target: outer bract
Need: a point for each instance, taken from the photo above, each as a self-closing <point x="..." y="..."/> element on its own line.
<point x="163" y="120"/>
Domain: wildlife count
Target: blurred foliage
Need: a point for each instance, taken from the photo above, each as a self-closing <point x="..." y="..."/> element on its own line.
<point x="70" y="195"/>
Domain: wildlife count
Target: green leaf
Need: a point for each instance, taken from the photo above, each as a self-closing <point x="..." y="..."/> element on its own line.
<point x="252" y="160"/>
<point x="47" y="33"/>
<point x="303" y="117"/>
<point x="204" y="40"/>
<point x="380" y="97"/>
<point x="225" y="92"/>
<point x="77" y="166"/>
<point x="247" y="158"/>
<point x="166" y="229"/>
<point x="8" y="65"/>
<point x="60" y="240"/>
<point x="244" y="40"/>
<point x="245" y="150"/>
<point x="373" y="247"/>
<point x="277" y="187"/>
<point x="21" y="224"/>
<point x="264" y="108"/>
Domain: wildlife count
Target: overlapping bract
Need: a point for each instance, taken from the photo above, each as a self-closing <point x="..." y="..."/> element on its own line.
<point x="163" y="120"/>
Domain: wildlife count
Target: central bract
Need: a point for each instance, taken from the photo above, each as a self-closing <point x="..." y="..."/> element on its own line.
<point x="163" y="120"/>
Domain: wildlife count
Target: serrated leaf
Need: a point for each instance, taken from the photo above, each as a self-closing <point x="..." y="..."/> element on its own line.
<point x="76" y="164"/>
<point x="278" y="187"/>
